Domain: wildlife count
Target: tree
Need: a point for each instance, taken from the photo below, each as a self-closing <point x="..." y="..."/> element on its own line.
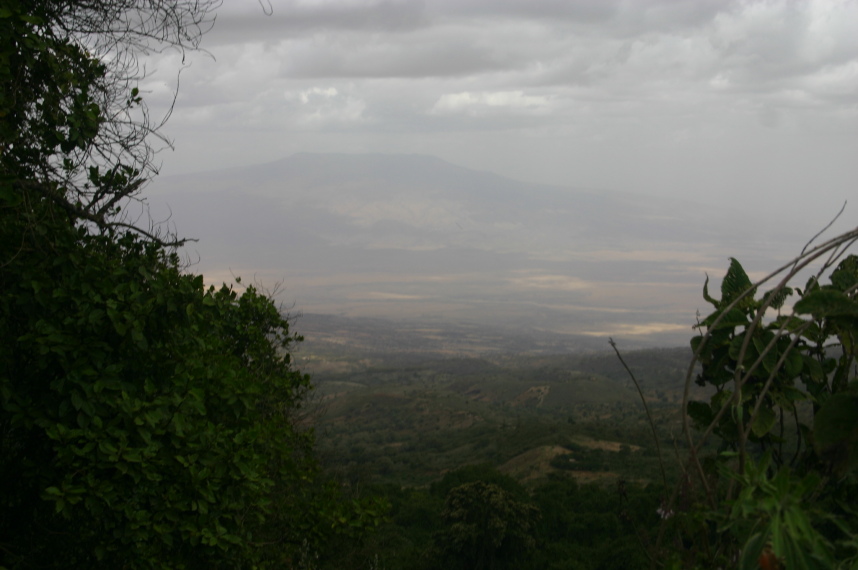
<point x="484" y="472"/>
<point x="486" y="527"/>
<point x="145" y="420"/>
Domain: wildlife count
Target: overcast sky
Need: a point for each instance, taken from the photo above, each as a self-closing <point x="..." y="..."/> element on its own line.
<point x="754" y="102"/>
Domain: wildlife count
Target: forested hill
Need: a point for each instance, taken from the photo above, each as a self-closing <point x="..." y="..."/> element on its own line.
<point x="443" y="397"/>
<point x="545" y="427"/>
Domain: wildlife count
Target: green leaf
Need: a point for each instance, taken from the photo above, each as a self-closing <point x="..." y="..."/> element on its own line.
<point x="777" y="297"/>
<point x="813" y="368"/>
<point x="76" y="400"/>
<point x="735" y="283"/>
<point x="827" y="302"/>
<point x="730" y="320"/>
<point x="770" y="354"/>
<point x="701" y="413"/>
<point x="707" y="297"/>
<point x="752" y="550"/>
<point x="846" y="275"/>
<point x="793" y="324"/>
<point x="794" y="363"/>
<point x="107" y="447"/>
<point x="736" y="349"/>
<point x="764" y="421"/>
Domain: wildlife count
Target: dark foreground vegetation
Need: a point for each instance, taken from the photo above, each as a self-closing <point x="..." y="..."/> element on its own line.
<point x="147" y="421"/>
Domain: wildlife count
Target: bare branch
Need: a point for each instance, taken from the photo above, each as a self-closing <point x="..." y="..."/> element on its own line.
<point x="102" y="166"/>
<point x="646" y="409"/>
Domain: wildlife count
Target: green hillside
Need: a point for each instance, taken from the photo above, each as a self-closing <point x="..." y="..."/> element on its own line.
<point x="408" y="423"/>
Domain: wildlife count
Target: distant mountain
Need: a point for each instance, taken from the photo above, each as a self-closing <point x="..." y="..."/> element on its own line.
<point x="416" y="237"/>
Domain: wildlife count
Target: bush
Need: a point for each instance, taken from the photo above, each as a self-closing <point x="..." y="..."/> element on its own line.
<point x="785" y="417"/>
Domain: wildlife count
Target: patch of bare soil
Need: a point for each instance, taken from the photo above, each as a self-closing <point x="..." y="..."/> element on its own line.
<point x="533" y="395"/>
<point x="533" y="463"/>
<point x="585" y="477"/>
<point x="603" y="444"/>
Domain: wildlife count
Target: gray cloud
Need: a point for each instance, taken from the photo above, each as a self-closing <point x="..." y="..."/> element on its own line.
<point x="590" y="11"/>
<point x="720" y="99"/>
<point x="442" y="53"/>
<point x="295" y="18"/>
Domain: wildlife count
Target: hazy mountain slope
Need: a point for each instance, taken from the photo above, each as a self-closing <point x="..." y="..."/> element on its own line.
<point x="414" y="236"/>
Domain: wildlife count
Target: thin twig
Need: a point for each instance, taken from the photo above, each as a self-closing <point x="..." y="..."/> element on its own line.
<point x="646" y="408"/>
<point x="823" y="230"/>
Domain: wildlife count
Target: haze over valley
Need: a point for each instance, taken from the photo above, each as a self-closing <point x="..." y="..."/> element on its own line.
<point x="416" y="238"/>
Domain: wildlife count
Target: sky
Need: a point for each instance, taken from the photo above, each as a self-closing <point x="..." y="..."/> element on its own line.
<point x="751" y="103"/>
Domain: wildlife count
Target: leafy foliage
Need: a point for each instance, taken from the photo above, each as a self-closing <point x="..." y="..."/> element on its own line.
<point x="784" y="414"/>
<point x="758" y="368"/>
<point x="152" y="415"/>
<point x="145" y="421"/>
<point x="486" y="527"/>
<point x="773" y="512"/>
